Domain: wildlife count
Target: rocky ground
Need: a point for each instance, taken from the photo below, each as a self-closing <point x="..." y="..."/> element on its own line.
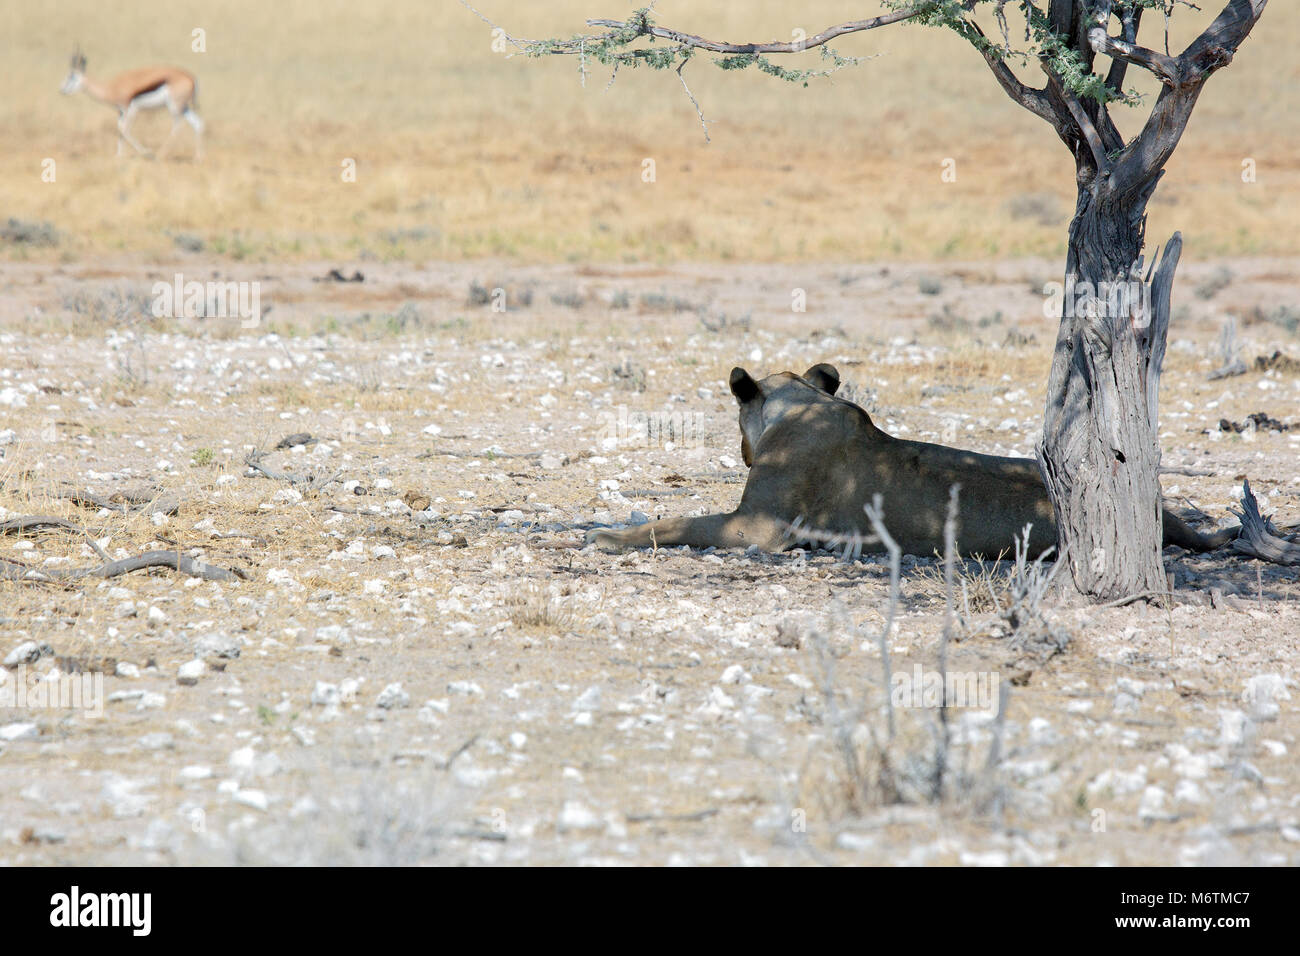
<point x="417" y="663"/>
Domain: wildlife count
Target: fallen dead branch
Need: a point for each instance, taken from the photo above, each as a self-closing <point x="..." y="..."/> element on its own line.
<point x="447" y="453"/>
<point x="696" y="817"/>
<point x="27" y="523"/>
<point x="36" y="523"/>
<point x="193" y="567"/>
<point x="124" y="502"/>
<point x="308" y="481"/>
<point x="1259" y="538"/>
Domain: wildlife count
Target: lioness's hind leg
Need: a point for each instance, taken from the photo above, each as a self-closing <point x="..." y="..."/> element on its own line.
<point x="709" y="531"/>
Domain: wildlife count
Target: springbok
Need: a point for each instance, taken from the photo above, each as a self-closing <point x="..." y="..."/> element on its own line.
<point x="146" y="88"/>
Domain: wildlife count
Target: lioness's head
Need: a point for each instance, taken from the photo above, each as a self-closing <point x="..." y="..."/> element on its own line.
<point x="751" y="395"/>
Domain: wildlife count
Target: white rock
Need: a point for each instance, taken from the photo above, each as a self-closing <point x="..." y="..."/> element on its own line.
<point x="392" y="697"/>
<point x="19" y="731"/>
<point x="1041" y="732"/>
<point x="28" y="652"/>
<point x="1152" y="804"/>
<point x="121" y="796"/>
<point x="127" y="669"/>
<point x="217" y="645"/>
<point x="304" y="807"/>
<point x="989" y="858"/>
<point x="588" y="700"/>
<point x="718" y="698"/>
<point x="12" y="398"/>
<point x="578" y="816"/>
<point x="1125" y="703"/>
<point x="466" y="687"/>
<point x="1262" y="693"/>
<point x="1188" y="791"/>
<point x="735" y="674"/>
<point x="1118" y="782"/>
<point x="1126" y="685"/>
<point x="1193" y="766"/>
<point x="190" y="672"/>
<point x="325" y="695"/>
<point x="252" y="798"/>
<point x="194" y="772"/>
<point x="1232" y="727"/>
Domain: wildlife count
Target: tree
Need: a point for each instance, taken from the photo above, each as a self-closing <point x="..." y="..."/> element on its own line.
<point x="1100" y="450"/>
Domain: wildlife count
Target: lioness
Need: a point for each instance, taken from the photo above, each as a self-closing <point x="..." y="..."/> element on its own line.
<point x="820" y="459"/>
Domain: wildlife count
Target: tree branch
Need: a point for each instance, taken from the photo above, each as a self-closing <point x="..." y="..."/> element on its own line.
<point x="1132" y="20"/>
<point x="1036" y="101"/>
<point x="718" y="46"/>
<point x="1167" y="68"/>
<point x="1215" y="47"/>
<point x="1084" y="123"/>
<point x="1145" y="157"/>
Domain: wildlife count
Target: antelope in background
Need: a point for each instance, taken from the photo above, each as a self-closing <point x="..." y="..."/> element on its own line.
<point x="146" y="88"/>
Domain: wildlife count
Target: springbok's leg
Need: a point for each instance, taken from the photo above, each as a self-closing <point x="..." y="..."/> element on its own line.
<point x="192" y="118"/>
<point x="176" y="120"/>
<point x="123" y="125"/>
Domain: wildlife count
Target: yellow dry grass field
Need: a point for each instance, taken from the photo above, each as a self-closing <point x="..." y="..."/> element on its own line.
<point x="461" y="152"/>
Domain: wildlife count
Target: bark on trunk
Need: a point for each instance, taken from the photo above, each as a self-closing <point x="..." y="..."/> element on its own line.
<point x="1100" y="452"/>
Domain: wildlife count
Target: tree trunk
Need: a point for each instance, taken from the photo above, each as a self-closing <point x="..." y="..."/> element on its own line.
<point x="1100" y="452"/>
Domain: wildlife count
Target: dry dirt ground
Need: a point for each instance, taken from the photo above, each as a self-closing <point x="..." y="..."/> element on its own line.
<point x="418" y="667"/>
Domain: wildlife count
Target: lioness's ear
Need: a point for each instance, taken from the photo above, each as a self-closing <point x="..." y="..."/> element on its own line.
<point x="824" y="377"/>
<point x="743" y="386"/>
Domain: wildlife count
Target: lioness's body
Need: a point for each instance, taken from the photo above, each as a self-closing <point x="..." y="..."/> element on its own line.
<point x="820" y="459"/>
